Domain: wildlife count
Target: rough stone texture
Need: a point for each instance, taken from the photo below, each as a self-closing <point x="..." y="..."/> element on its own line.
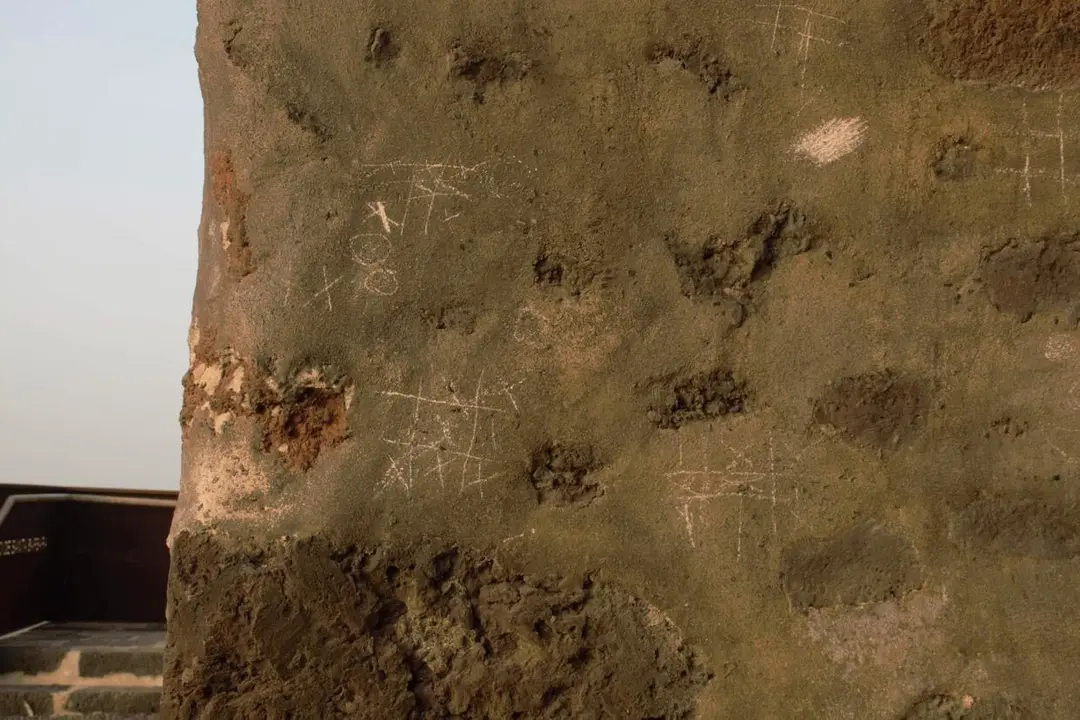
<point x="132" y="701"/>
<point x="862" y="565"/>
<point x="878" y="409"/>
<point x="1023" y="278"/>
<point x="634" y="359"/>
<point x="424" y="632"/>
<point x="566" y="474"/>
<point x="1022" y="42"/>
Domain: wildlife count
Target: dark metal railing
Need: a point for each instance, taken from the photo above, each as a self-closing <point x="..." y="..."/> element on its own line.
<point x="82" y="556"/>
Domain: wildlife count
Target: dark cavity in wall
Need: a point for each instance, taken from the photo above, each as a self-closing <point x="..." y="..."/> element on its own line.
<point x="1028" y="277"/>
<point x="698" y="397"/>
<point x="1031" y="524"/>
<point x="860" y="565"/>
<point x="307" y="120"/>
<point x="693" y="56"/>
<point x="382" y="49"/>
<point x="722" y="271"/>
<point x="453" y="317"/>
<point x="955" y="158"/>
<point x="484" y="69"/>
<point x="564" y="474"/>
<point x="880" y="410"/>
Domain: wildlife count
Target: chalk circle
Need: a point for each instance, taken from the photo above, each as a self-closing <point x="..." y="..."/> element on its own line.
<point x="370" y="248"/>
<point x="381" y="282"/>
<point x="1074" y="396"/>
<point x="1059" y="347"/>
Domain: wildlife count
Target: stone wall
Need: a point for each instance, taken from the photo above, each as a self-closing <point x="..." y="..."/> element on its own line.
<point x="633" y="359"/>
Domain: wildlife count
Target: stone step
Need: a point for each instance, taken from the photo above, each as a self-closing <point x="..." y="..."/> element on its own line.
<point x="31" y="700"/>
<point x="84" y="655"/>
<point x="60" y="701"/>
<point x="128" y="700"/>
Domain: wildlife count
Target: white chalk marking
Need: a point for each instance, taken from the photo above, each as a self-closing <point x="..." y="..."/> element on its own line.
<point x="832" y="140"/>
<point x="532" y="531"/>
<point x="740" y="480"/>
<point x="434" y="439"/>
<point x="776" y="26"/>
<point x="1061" y="143"/>
<point x="1028" y="135"/>
<point x="370" y="248"/>
<point x="378" y="210"/>
<point x="1059" y="348"/>
<point x="1027" y="153"/>
<point x="381" y="281"/>
<point x="327" y="287"/>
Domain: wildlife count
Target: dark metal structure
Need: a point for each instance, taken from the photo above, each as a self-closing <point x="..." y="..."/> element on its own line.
<point x="82" y="555"/>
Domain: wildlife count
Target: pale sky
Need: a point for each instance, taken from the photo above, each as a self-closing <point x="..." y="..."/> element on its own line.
<point x="100" y="192"/>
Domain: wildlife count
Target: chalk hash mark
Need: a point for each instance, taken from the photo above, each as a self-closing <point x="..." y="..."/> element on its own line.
<point x="1058" y="138"/>
<point x="806" y="24"/>
<point x="450" y="438"/>
<point x="769" y="478"/>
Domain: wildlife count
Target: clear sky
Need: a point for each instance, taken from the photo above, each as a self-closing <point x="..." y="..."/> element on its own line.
<point x="100" y="192"/>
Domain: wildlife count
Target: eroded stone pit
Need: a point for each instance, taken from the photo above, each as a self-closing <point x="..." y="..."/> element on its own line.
<point x="233" y="201"/>
<point x="1028" y="277"/>
<point x="861" y="565"/>
<point x="880" y="409"/>
<point x="564" y="474"/>
<point x="697" y="397"/>
<point x="298" y="418"/>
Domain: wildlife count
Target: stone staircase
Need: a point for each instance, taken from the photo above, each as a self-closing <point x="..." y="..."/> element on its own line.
<point x="82" y="670"/>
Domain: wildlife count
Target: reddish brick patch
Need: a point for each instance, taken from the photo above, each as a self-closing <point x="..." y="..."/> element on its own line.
<point x="234" y="201"/>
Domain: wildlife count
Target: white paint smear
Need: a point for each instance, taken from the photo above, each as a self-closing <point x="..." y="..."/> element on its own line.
<point x="832" y="140"/>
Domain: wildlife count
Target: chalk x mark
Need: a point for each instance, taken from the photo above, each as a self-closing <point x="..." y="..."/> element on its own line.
<point x="378" y="210"/>
<point x="806" y="24"/>
<point x="328" y="285"/>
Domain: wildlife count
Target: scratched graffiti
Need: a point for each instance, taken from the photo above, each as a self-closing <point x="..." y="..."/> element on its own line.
<point x="1039" y="146"/>
<point x="403" y="202"/>
<point x="447" y="435"/>
<point x="734" y="488"/>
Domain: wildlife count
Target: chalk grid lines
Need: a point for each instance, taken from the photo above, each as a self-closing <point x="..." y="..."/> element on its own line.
<point x="769" y="478"/>
<point x="449" y="438"/>
<point x="1058" y="138"/>
<point x="809" y="26"/>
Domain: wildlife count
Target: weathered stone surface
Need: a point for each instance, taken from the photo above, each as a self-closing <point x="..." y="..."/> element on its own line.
<point x="637" y="359"/>
<point x="425" y="631"/>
